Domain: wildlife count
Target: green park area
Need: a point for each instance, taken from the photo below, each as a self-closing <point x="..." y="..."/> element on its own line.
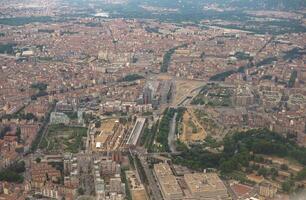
<point x="61" y="138"/>
<point x="214" y="95"/>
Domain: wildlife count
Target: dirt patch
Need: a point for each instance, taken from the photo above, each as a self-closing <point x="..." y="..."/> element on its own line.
<point x="191" y="130"/>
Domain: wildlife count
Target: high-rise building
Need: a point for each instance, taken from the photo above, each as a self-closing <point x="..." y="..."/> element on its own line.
<point x="147" y="96"/>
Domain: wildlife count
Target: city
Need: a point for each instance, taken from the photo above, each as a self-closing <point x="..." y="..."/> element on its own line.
<point x="152" y="99"/>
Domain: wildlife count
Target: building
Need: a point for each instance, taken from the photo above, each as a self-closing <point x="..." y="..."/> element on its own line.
<point x="43" y="172"/>
<point x="63" y="106"/>
<point x="115" y="190"/>
<point x="243" y="96"/>
<point x="137" y="189"/>
<point x="242" y="191"/>
<point x="59" y="118"/>
<point x="99" y="182"/>
<point x="136" y="132"/>
<point x="109" y="167"/>
<point x="267" y="190"/>
<point x="167" y="182"/>
<point x="116" y="186"/>
<point x="71" y="171"/>
<point x="147" y="96"/>
<point x="205" y="186"/>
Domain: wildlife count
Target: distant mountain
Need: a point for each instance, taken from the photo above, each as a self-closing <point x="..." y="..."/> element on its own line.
<point x="263" y="4"/>
<point x="241" y="4"/>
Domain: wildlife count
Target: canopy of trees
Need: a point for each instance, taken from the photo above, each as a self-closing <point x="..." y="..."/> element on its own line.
<point x="237" y="151"/>
<point x="7" y="48"/>
<point x="164" y="128"/>
<point x="12" y="173"/>
<point x="132" y="77"/>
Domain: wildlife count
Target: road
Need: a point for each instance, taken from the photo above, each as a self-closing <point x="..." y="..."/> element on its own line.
<point x="187" y="98"/>
<point x="8" y="56"/>
<point x="89" y="129"/>
<point x="229" y="190"/>
<point x="44" y="132"/>
<point x="45" y="125"/>
<point x="151" y="187"/>
<point x="172" y="135"/>
<point x="155" y="192"/>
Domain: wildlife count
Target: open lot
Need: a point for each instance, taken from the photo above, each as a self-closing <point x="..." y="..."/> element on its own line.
<point x="206" y="118"/>
<point x="191" y="129"/>
<point x="60" y="138"/>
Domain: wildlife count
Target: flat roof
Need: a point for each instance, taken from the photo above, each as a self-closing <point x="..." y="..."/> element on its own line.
<point x="162" y="169"/>
<point x="204" y="182"/>
<point x="139" y="124"/>
<point x="167" y="180"/>
<point x="170" y="185"/>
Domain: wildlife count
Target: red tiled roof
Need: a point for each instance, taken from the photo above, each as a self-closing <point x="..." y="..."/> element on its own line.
<point x="241" y="190"/>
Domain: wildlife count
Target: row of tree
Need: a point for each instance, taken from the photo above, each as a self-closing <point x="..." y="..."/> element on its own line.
<point x="167" y="58"/>
<point x="164" y="128"/>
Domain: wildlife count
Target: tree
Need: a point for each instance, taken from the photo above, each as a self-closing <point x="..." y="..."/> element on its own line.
<point x="30" y="116"/>
<point x="81" y="191"/>
<point x="202" y="56"/>
<point x="10" y="176"/>
<point x="98" y="124"/>
<point x="18" y="134"/>
<point x="301" y="175"/>
<point x="292" y="79"/>
<point x="263" y="172"/>
<point x="228" y="166"/>
<point x="18" y="167"/>
<point x="38" y="160"/>
<point x="12" y="173"/>
<point x="274" y="173"/>
<point x="132" y="77"/>
<point x="255" y="167"/>
<point x="287" y="185"/>
<point x="4" y="131"/>
<point x="258" y="159"/>
<point x="284" y="167"/>
<point x="180" y="146"/>
<point x="122" y="120"/>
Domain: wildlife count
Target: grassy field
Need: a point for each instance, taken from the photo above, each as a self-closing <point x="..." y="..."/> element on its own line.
<point x="60" y="138"/>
